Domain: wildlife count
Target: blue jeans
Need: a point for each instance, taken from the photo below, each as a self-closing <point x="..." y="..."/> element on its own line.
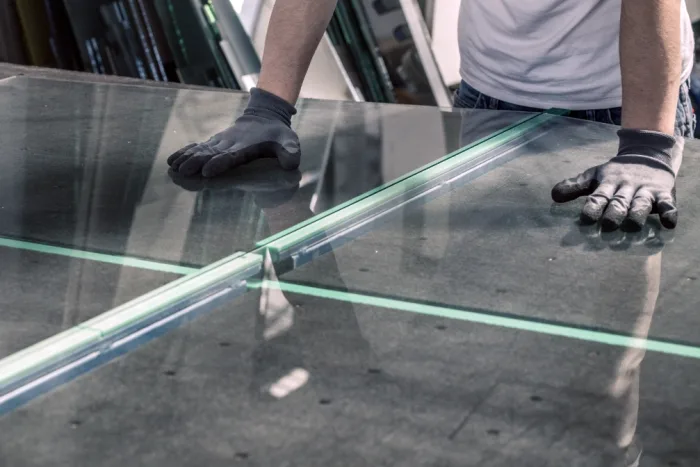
<point x="467" y="97"/>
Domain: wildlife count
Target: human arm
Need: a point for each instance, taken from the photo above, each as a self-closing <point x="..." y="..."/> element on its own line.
<point x="650" y="63"/>
<point x="295" y="30"/>
<point x="641" y="178"/>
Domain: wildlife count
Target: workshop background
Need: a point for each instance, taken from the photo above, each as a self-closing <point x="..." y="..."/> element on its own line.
<point x="402" y="51"/>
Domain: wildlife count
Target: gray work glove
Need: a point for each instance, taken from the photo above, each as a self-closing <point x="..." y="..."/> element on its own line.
<point x="638" y="181"/>
<point x="264" y="130"/>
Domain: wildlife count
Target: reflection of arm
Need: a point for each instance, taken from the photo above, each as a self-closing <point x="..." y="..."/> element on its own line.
<point x="650" y="60"/>
<point x="295" y="30"/>
<point x="626" y="385"/>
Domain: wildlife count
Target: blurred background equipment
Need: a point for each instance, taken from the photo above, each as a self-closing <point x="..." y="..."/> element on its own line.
<point x="373" y="51"/>
<point x="402" y="51"/>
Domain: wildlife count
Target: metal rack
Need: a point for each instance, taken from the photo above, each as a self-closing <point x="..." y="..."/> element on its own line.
<point x="374" y="50"/>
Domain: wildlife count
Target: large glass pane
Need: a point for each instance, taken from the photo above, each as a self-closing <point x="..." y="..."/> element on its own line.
<point x="90" y="217"/>
<point x="499" y="244"/>
<point x="286" y="379"/>
<point x="84" y="166"/>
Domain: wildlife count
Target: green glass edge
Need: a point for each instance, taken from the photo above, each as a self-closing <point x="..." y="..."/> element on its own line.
<point x="519" y="324"/>
<point x="321" y="223"/>
<point x="111" y="322"/>
<point x="98" y="257"/>
<point x="44" y="352"/>
<point x="267" y="241"/>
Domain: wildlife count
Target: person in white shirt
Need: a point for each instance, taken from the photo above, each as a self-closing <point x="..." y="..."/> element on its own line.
<point x="624" y="62"/>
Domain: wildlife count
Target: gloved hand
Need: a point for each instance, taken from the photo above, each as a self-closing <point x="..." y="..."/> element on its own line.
<point x="638" y="181"/>
<point x="264" y="130"/>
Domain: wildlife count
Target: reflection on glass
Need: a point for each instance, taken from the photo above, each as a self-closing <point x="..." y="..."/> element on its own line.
<point x="284" y="375"/>
<point x="498" y="243"/>
<point x="97" y="180"/>
<point x="497" y="246"/>
<point x="83" y="177"/>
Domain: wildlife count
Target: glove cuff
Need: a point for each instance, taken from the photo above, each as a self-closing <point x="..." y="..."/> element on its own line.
<point x="652" y="146"/>
<point x="267" y="105"/>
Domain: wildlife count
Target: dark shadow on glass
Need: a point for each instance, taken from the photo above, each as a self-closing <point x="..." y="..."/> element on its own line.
<point x="270" y="184"/>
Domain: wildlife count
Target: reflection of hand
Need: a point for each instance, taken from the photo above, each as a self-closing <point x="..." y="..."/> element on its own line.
<point x="263" y="131"/>
<point x="640" y="180"/>
<point x="271" y="185"/>
<point x="647" y="241"/>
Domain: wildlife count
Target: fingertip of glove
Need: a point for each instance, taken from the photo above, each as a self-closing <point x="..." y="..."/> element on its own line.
<point x="558" y="192"/>
<point x="587" y="219"/>
<point x="563" y="192"/>
<point x="216" y="166"/>
<point x="176" y="155"/>
<point x="558" y="196"/>
<point x="189" y="167"/>
<point x="633" y="224"/>
<point x="609" y="225"/>
<point x="173" y="158"/>
<point x="669" y="220"/>
<point x="211" y="170"/>
<point x="289" y="162"/>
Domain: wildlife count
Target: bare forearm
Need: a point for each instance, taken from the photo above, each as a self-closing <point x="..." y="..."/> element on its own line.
<point x="650" y="59"/>
<point x="295" y="30"/>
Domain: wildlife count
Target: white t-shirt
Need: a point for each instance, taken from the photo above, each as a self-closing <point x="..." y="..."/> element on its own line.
<point x="549" y="53"/>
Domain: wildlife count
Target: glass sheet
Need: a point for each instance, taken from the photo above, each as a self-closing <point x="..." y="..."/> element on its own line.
<point x="286" y="379"/>
<point x="499" y="244"/>
<point x="83" y="166"/>
<point x="43" y="294"/>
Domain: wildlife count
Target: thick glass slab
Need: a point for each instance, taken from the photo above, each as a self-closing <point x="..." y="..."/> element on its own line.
<point x="278" y="378"/>
<point x="84" y="179"/>
<point x="83" y="166"/>
<point x="480" y="327"/>
<point x="43" y="294"/>
<point x="497" y="243"/>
